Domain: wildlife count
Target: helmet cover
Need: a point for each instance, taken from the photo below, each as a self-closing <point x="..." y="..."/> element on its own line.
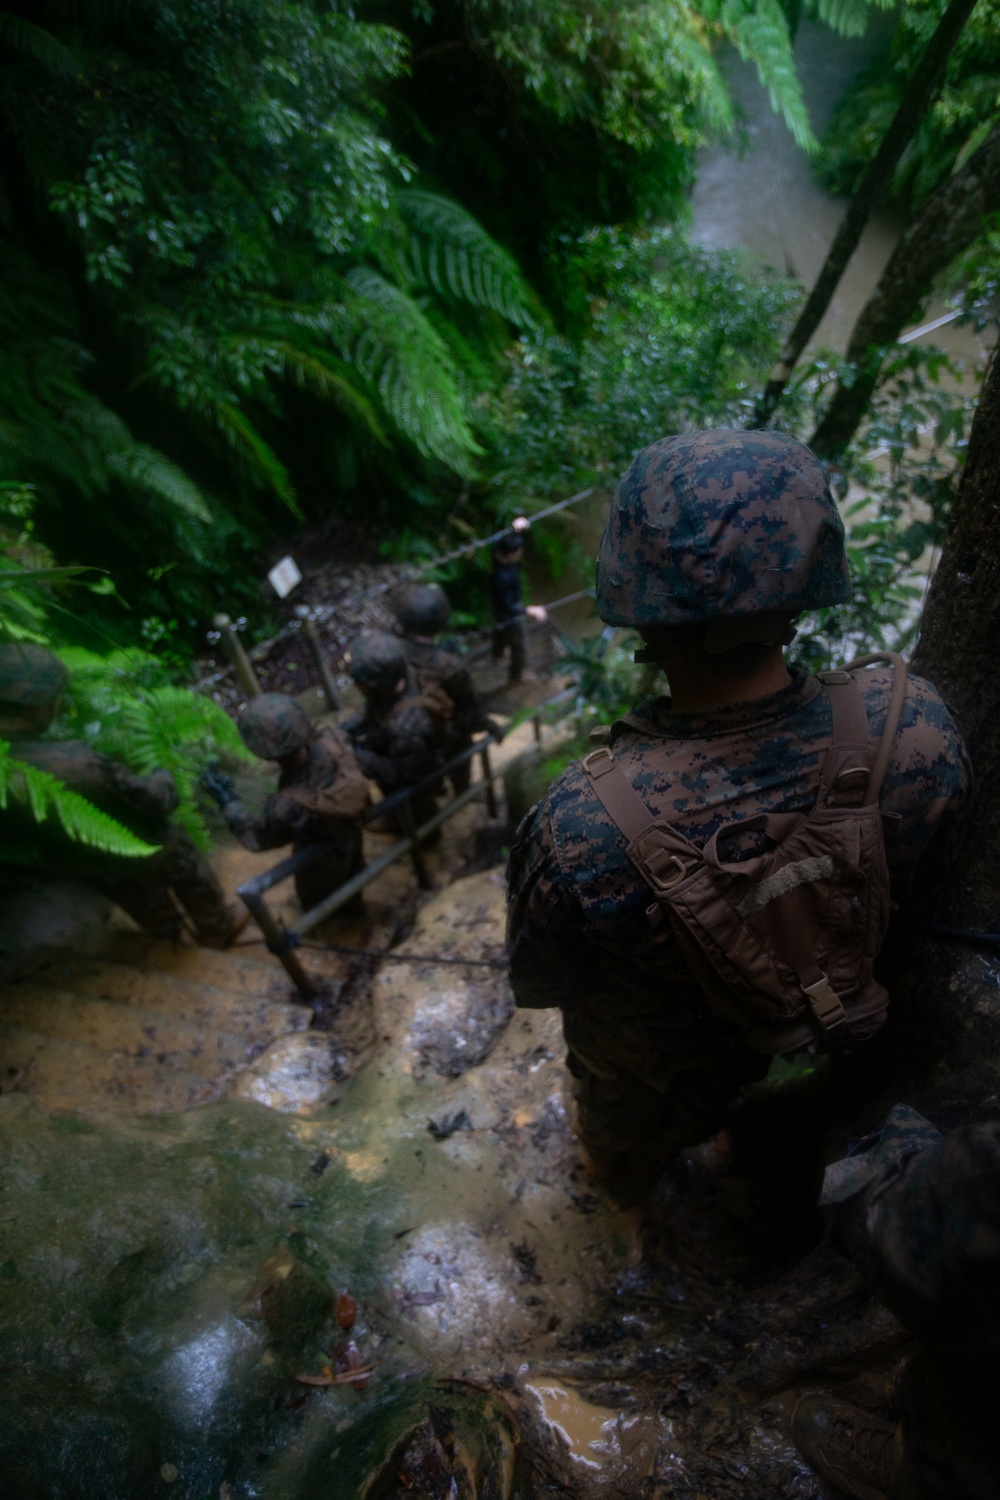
<point x="273" y="725"/>
<point x="421" y="608"/>
<point x="377" y="661"/>
<point x="708" y="525"/>
<point x="30" y="675"/>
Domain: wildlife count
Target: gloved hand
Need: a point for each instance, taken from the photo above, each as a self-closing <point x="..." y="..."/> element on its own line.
<point x="220" y="787"/>
<point x="496" y="728"/>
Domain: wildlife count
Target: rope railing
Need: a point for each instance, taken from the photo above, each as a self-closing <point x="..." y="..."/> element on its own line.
<point x="282" y="940"/>
<point x="225" y="630"/>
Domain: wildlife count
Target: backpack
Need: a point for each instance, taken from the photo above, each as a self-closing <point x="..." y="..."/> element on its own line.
<point x="784" y="942"/>
<point x="346" y="799"/>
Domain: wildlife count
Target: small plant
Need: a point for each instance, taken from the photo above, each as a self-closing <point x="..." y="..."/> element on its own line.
<point x="124" y="706"/>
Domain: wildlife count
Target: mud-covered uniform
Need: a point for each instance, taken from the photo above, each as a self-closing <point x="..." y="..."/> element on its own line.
<point x="508" y="615"/>
<point x="653" y="1067"/>
<point x="143" y="804"/>
<point x="433" y="666"/>
<point x="919" y="1213"/>
<point x="294" y="815"/>
<point x="398" y="744"/>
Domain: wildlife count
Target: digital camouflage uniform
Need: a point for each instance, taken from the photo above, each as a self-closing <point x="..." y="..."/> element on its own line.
<point x="400" y="735"/>
<point x="328" y="766"/>
<point x="919" y="1213"/>
<point x="706" y="529"/>
<point x="432" y="664"/>
<point x="143" y="804"/>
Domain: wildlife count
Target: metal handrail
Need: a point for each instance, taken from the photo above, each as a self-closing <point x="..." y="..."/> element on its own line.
<point x="282" y="940"/>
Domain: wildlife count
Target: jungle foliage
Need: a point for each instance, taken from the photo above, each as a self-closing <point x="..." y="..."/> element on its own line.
<point x="262" y="256"/>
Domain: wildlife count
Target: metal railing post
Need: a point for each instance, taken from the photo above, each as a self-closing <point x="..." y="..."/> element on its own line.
<point x="277" y="940"/>
<point x="234" y="649"/>
<point x="407" y="823"/>
<point x="323" y="670"/>
<point x="536" y="726"/>
<point x="491" y="795"/>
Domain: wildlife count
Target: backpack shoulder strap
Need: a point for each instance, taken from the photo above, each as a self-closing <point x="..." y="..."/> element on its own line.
<point x="621" y="801"/>
<point x="892" y="715"/>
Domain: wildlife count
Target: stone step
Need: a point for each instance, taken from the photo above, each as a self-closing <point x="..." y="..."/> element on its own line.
<point x="106" y="1026"/>
<point x="201" y="1003"/>
<point x="69" y="1075"/>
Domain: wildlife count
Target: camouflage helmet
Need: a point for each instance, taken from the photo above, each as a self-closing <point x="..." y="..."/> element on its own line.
<point x="29" y="675"/>
<point x="720" y="524"/>
<point x="421" y="608"/>
<point x="274" y="725"/>
<point x="377" y="661"/>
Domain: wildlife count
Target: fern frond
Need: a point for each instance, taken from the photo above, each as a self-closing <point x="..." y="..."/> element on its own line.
<point x="37" y="43"/>
<point x="451" y="251"/>
<point x="758" y="30"/>
<point x="397" y="348"/>
<point x="849" y="17"/>
<point x="44" y="795"/>
<point x="318" y="373"/>
<point x="242" y="435"/>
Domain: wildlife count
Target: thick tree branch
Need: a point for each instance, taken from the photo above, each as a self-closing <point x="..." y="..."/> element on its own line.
<point x="950" y="220"/>
<point x="912" y="108"/>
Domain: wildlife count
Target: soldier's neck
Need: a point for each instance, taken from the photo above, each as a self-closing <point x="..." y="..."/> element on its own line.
<point x="695" y="688"/>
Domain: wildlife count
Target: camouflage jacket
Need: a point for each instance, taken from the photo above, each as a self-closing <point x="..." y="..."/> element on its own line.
<point x="285" y="819"/>
<point x="919" y="1213"/>
<point x="398" y="746"/>
<point x="577" y="932"/>
<point x="434" y="664"/>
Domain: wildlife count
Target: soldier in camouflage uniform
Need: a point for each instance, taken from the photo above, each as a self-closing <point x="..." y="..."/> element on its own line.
<point x="32" y="682"/>
<point x="400" y="735"/>
<point x="321" y="796"/>
<point x="421" y="611"/>
<point x="919" y="1213"/>
<point x="715" y="542"/>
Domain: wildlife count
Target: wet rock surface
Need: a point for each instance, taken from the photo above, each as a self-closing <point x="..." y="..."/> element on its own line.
<point x="176" y="1291"/>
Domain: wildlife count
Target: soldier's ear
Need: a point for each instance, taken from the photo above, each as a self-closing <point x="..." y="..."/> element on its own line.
<point x="400" y="686"/>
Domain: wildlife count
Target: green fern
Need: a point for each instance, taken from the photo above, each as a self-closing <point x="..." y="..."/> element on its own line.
<point x="37" y="43"/>
<point x="849" y="17"/>
<point x="44" y="796"/>
<point x="758" y="29"/>
<point x="121" y="705"/>
<point x="451" y="252"/>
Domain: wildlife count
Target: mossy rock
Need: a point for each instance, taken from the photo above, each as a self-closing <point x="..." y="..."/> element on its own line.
<point x="162" y="1283"/>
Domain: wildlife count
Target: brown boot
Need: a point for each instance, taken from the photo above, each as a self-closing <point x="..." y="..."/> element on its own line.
<point x="856" y="1454"/>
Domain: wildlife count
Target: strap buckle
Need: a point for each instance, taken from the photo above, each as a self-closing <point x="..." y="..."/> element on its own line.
<point x="602" y="753"/>
<point x="826" y="1004"/>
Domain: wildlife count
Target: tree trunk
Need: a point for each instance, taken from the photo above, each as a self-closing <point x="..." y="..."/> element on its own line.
<point x="959" y="650"/>
<point x="950" y="220"/>
<point x="945" y="1011"/>
<point x="912" y="108"/>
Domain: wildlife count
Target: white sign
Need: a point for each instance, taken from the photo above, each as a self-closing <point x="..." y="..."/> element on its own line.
<point x="284" y="577"/>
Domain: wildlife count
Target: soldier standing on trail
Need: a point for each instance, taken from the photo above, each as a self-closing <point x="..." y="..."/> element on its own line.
<point x="399" y="737"/>
<point x="32" y="682"/>
<point x="321" y="796"/>
<point x="919" y="1213"/>
<point x="421" y="611"/>
<point x="653" y="895"/>
<point x="508" y="610"/>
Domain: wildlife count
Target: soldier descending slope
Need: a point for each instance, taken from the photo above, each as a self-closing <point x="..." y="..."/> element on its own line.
<point x="713" y="887"/>
<point x="32" y="682"/>
<point x="400" y="735"/>
<point x="421" y="611"/>
<point x="321" y="795"/>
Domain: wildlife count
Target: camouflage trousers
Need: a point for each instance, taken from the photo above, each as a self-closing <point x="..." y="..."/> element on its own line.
<point x="634" y="1120"/>
<point x="157" y="891"/>
<point x="320" y="880"/>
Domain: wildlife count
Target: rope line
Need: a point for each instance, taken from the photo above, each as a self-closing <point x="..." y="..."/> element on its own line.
<point x="324" y="612"/>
